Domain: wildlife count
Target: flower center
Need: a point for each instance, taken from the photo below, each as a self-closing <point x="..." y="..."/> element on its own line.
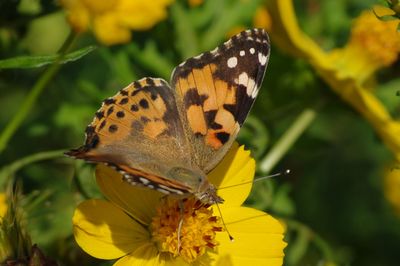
<point x="379" y="39"/>
<point x="197" y="231"/>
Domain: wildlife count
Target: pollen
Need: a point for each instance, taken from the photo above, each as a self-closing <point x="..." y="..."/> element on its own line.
<point x="380" y="39"/>
<point x="196" y="233"/>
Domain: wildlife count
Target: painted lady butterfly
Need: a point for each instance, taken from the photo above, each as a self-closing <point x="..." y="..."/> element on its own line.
<point x="169" y="137"/>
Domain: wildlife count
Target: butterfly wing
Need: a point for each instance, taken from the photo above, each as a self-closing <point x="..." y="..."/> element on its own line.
<point x="215" y="91"/>
<point x="138" y="128"/>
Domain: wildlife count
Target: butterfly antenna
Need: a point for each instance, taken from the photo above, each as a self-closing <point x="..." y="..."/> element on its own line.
<point x="286" y="172"/>
<point x="223" y="223"/>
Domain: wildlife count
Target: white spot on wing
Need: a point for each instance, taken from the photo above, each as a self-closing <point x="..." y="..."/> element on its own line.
<point x="262" y="59"/>
<point x="163" y="191"/>
<point x="250" y="87"/>
<point x="255" y="92"/>
<point x="252" y="50"/>
<point x="232" y="62"/>
<point x="214" y="51"/>
<point x="242" y="53"/>
<point x="144" y="180"/>
<point x="243" y="79"/>
<point x="248" y="82"/>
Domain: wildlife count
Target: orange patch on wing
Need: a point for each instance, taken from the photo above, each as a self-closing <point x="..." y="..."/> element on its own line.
<point x="226" y="119"/>
<point x="229" y="125"/>
<point x="221" y="88"/>
<point x="212" y="140"/>
<point x="196" y="119"/>
<point x="153" y="129"/>
<point x="211" y="101"/>
<point x="183" y="85"/>
<point x="231" y="95"/>
<point x="159" y="104"/>
<point x="190" y="80"/>
<point x="201" y="84"/>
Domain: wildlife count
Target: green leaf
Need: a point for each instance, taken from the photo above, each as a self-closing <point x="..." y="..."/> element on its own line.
<point x="42" y="60"/>
<point x="299" y="246"/>
<point x="255" y="135"/>
<point x="236" y="14"/>
<point x="186" y="39"/>
<point x="151" y="58"/>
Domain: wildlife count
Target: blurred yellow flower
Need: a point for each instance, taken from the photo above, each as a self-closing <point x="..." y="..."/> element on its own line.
<point x="373" y="44"/>
<point x="3" y="204"/>
<point x="262" y="19"/>
<point x="392" y="187"/>
<point x="140" y="226"/>
<point x="112" y="20"/>
<point x="194" y="3"/>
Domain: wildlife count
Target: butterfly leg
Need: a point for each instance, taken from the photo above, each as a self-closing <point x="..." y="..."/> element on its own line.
<point x="181" y="210"/>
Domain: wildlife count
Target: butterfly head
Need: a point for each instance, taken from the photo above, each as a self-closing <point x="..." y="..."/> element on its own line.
<point x="197" y="180"/>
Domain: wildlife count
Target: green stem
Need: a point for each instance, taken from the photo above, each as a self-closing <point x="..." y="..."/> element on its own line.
<point x="34" y="93"/>
<point x="7" y="171"/>
<point x="302" y="122"/>
<point x="319" y="242"/>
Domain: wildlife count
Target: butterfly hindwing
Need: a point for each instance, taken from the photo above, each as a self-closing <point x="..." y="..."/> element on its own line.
<point x="138" y="127"/>
<point x="139" y="178"/>
<point x="216" y="90"/>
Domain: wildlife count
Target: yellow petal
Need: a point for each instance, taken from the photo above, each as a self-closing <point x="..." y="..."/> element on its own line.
<point x="236" y="169"/>
<point x="3" y="205"/>
<point x="109" y="30"/>
<point x="139" y="202"/>
<point x="78" y="16"/>
<point x="145" y="255"/>
<point x="258" y="238"/>
<point x="151" y="12"/>
<point x="148" y="255"/>
<point x="392" y="186"/>
<point x="287" y="33"/>
<point x="104" y="231"/>
<point x="367" y="104"/>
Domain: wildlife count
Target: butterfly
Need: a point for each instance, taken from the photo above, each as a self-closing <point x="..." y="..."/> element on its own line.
<point x="168" y="137"/>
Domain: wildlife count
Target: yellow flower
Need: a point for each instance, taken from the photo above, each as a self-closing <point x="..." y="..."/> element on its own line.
<point x="3" y="205"/>
<point x="262" y="19"/>
<point x="392" y="187"/>
<point x="194" y="3"/>
<point x="112" y="20"/>
<point x="140" y="226"/>
<point x="373" y="44"/>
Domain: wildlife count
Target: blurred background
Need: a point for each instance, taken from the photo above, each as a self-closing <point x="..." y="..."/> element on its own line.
<point x="328" y="110"/>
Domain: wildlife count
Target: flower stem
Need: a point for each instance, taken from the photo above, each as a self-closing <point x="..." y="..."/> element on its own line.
<point x="302" y="122"/>
<point x="308" y="233"/>
<point x="10" y="169"/>
<point x="34" y="93"/>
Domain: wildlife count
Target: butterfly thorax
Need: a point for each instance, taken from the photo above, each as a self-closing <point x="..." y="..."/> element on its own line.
<point x="197" y="180"/>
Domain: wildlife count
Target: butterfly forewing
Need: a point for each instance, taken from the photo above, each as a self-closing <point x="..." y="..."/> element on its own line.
<point x="215" y="91"/>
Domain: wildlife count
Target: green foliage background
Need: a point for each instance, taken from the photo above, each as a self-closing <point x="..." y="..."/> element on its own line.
<point x="332" y="201"/>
